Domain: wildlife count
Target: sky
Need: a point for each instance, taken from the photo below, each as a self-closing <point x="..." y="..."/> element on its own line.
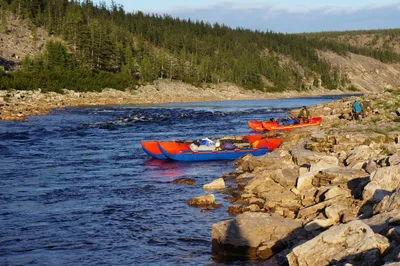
<point x="288" y="16"/>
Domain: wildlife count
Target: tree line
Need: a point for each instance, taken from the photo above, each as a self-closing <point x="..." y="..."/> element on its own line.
<point x="104" y="46"/>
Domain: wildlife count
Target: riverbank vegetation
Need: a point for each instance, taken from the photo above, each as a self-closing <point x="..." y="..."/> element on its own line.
<point x="98" y="46"/>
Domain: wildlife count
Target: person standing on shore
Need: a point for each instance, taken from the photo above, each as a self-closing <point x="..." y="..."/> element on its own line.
<point x="304" y="115"/>
<point x="356" y="109"/>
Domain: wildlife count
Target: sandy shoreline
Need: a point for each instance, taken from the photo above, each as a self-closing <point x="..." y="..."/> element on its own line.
<point x="18" y="105"/>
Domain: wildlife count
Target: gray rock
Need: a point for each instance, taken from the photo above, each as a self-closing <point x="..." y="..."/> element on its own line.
<point x="382" y="222"/>
<point x="202" y="201"/>
<point x="338" y="243"/>
<point x="315" y="161"/>
<point x="217" y="184"/>
<point x="250" y="232"/>
<point x="388" y="203"/>
<point x="394" y="159"/>
<point x="383" y="182"/>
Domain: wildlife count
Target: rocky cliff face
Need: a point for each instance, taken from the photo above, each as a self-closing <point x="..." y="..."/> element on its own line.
<point x="365" y="73"/>
<point x="19" y="39"/>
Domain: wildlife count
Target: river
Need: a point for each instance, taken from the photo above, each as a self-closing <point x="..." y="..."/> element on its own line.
<point x="76" y="188"/>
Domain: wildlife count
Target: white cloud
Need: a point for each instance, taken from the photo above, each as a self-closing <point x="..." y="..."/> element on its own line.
<point x="297" y="19"/>
<point x="249" y="6"/>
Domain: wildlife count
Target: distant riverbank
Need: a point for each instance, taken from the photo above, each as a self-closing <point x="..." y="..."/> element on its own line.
<point x="17" y="105"/>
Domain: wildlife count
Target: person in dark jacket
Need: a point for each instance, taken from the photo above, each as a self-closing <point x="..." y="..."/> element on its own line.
<point x="304" y="115"/>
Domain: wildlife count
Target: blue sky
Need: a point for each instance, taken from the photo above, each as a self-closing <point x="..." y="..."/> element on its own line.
<point x="279" y="15"/>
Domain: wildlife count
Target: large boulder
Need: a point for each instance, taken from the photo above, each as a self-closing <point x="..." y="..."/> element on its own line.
<point x="383" y="182"/>
<point x="315" y="161"/>
<point x="252" y="235"/>
<point x="341" y="243"/>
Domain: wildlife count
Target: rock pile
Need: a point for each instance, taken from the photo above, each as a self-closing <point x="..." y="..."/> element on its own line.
<point x="332" y="191"/>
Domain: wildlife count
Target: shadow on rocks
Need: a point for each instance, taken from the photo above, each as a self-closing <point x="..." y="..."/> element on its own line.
<point x="366" y="258"/>
<point x="228" y="253"/>
<point x="8" y="65"/>
<point x="367" y="209"/>
<point x="357" y="185"/>
<point x="272" y="252"/>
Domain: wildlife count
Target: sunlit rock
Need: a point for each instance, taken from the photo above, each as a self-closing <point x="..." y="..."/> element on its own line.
<point x="217" y="184"/>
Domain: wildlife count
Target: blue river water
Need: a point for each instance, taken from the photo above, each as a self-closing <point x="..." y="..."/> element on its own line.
<point x="76" y="188"/>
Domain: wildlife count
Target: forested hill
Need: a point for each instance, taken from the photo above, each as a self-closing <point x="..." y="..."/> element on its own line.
<point x="89" y="47"/>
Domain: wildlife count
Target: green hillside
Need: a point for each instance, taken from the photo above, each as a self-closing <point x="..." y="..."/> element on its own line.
<point x="104" y="46"/>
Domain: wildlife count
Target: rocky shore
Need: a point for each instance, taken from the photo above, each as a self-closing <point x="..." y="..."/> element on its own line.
<point x="330" y="195"/>
<point x="18" y="105"/>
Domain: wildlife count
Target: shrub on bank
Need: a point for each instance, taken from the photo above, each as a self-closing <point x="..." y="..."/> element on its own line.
<point x="82" y="81"/>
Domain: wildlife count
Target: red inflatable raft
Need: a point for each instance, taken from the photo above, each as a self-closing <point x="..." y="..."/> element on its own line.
<point x="173" y="149"/>
<point x="260" y="126"/>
